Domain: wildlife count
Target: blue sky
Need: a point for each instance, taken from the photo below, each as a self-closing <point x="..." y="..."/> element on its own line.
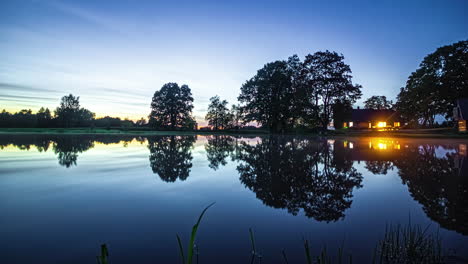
<point x="115" y="54"/>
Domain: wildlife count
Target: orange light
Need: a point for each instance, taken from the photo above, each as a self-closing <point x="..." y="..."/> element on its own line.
<point x="381" y="124"/>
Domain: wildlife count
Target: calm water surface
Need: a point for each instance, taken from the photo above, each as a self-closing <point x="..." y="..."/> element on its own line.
<point x="63" y="196"/>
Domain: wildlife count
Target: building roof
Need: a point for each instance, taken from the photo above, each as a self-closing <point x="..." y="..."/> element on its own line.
<point x="366" y="115"/>
<point x="463" y="105"/>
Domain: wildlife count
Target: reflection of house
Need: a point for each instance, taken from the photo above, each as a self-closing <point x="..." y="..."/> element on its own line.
<point x="460" y="113"/>
<point x="370" y="118"/>
<point x="374" y="149"/>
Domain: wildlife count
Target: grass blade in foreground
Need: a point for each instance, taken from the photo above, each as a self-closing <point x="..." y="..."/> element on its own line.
<point x="192" y="239"/>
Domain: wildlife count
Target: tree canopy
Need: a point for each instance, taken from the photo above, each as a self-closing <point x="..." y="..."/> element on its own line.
<point x="171" y="107"/>
<point x="218" y="116"/>
<point x="287" y="94"/>
<point x="377" y="102"/>
<point x="441" y="79"/>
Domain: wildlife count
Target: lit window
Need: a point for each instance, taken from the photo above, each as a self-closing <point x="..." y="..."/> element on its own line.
<point x="351" y="145"/>
<point x="396" y="124"/>
<point x="370" y="125"/>
<point x="382" y="124"/>
<point x="344" y="124"/>
<point x="351" y="124"/>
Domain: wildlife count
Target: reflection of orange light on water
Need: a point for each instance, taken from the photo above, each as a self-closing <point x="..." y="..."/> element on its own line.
<point x="382" y="146"/>
<point x="462" y="149"/>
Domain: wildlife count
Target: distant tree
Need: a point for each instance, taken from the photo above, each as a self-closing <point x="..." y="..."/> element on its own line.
<point x="44" y="118"/>
<point x="236" y="115"/>
<point x="442" y="77"/>
<point x="171" y="107"/>
<point x="141" y="122"/>
<point x="378" y="103"/>
<point x="218" y="115"/>
<point x="329" y="80"/>
<point x="69" y="113"/>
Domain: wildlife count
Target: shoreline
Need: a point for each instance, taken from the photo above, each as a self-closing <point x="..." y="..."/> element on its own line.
<point x="414" y="133"/>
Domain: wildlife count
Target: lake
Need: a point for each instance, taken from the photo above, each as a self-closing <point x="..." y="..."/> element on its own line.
<point x="61" y="197"/>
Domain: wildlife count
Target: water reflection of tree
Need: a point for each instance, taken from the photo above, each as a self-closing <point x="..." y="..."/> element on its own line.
<point x="295" y="173"/>
<point x="66" y="147"/>
<point x="379" y="166"/>
<point x="218" y="148"/>
<point x="438" y="184"/>
<point x="171" y="157"/>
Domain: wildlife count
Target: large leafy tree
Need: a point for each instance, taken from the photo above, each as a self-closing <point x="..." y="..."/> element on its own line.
<point x="442" y="78"/>
<point x="268" y="97"/>
<point x="378" y="103"/>
<point x="329" y="80"/>
<point x="218" y="116"/>
<point x="171" y="107"/>
<point x="70" y="114"/>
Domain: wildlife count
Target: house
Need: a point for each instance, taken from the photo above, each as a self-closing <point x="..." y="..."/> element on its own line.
<point x="370" y="118"/>
<point x="460" y="114"/>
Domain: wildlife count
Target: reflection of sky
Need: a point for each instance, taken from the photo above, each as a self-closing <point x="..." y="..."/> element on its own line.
<point x="112" y="196"/>
<point x="116" y="54"/>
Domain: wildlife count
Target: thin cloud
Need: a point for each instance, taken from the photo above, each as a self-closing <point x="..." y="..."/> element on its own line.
<point x="88" y="16"/>
<point x="26" y="88"/>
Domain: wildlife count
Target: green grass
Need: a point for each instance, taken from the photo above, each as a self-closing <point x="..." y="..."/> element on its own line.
<point x="193" y="235"/>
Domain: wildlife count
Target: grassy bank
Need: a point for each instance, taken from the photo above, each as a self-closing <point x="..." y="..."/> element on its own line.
<point x="405" y="133"/>
<point x="120" y="131"/>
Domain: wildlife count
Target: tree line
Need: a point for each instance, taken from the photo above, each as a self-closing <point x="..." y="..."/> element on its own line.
<point x="285" y="95"/>
<point x="68" y="115"/>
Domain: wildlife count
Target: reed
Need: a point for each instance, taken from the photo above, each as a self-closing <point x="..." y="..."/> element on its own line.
<point x="193" y="235"/>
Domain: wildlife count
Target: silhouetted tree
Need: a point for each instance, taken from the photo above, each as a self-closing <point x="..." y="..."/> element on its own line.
<point x="296" y="173"/>
<point x="141" y="122"/>
<point x="377" y="102"/>
<point x="442" y="77"/>
<point x="268" y="97"/>
<point x="236" y="115"/>
<point x="171" y="157"/>
<point x="330" y="80"/>
<point x="218" y="115"/>
<point x="171" y="107"/>
<point x="69" y="113"/>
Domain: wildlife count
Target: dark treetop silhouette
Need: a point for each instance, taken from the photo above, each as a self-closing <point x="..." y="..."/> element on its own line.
<point x="171" y="108"/>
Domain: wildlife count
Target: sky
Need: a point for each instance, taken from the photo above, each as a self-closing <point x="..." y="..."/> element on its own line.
<point x="116" y="54"/>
